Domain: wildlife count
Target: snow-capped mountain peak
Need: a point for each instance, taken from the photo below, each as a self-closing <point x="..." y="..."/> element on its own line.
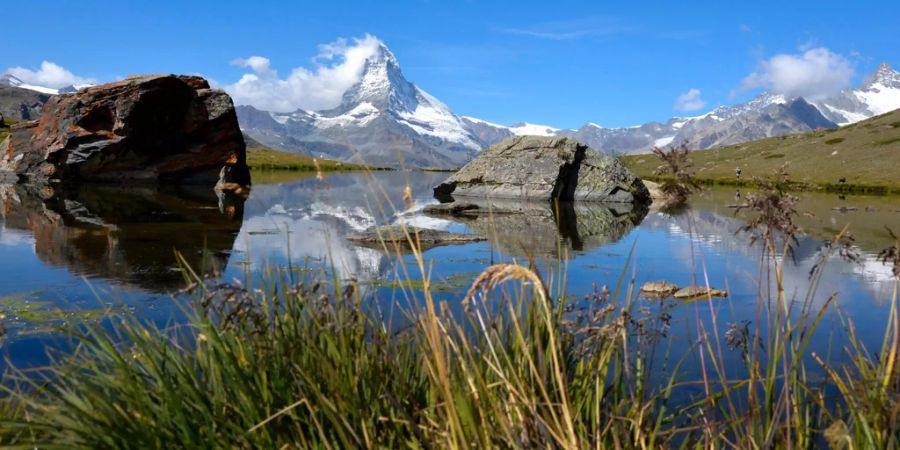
<point x="877" y="94"/>
<point x="884" y="76"/>
<point x="383" y="119"/>
<point x="381" y="84"/>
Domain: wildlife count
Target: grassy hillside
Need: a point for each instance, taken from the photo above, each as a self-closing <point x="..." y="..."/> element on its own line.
<point x="4" y="128"/>
<point x="267" y="159"/>
<point x="867" y="154"/>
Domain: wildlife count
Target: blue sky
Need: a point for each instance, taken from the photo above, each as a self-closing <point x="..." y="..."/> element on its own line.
<point x="560" y="63"/>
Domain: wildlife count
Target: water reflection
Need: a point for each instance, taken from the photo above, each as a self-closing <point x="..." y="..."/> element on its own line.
<point x="545" y="230"/>
<point x="125" y="240"/>
<point x="124" y="235"/>
<point x="304" y="222"/>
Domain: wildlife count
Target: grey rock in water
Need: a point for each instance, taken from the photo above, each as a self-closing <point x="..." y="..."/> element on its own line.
<point x="692" y="292"/>
<point x="660" y="287"/>
<point x="544" y="168"/>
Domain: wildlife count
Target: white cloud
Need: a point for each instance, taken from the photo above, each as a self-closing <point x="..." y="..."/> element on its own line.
<point x="337" y="67"/>
<point x="814" y="74"/>
<point x="689" y="101"/>
<point x="50" y="75"/>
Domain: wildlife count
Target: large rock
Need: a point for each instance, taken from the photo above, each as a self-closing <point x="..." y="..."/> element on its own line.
<point x="148" y="128"/>
<point x="544" y="168"/>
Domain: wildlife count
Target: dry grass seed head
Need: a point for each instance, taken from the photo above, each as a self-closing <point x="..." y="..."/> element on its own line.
<point x="498" y="274"/>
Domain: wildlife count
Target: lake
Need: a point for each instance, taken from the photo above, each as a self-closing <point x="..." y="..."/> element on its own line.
<point x="84" y="252"/>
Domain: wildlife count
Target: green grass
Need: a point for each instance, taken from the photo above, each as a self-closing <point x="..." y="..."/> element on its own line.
<point x="4" y="129"/>
<point x="864" y="153"/>
<point x="268" y="159"/>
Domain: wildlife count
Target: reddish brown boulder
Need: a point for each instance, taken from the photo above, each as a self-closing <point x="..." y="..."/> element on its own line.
<point x="147" y="128"/>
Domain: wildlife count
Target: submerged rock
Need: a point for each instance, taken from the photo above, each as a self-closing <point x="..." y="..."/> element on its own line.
<point x="659" y="287"/>
<point x="471" y="210"/>
<point x="148" y="128"/>
<point x="699" y="291"/>
<point x="391" y="235"/>
<point x="544" y="168"/>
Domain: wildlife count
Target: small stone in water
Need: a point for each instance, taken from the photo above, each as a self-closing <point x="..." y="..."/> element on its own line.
<point x="659" y="287"/>
<point x="695" y="291"/>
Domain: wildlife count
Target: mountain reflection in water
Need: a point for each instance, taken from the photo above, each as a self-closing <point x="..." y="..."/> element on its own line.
<point x="124" y="240"/>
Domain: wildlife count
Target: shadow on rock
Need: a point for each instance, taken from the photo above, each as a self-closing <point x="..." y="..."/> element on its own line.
<point x="523" y="228"/>
<point x="128" y="235"/>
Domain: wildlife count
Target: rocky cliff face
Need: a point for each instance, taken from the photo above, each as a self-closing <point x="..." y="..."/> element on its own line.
<point x="544" y="168"/>
<point x="148" y="128"/>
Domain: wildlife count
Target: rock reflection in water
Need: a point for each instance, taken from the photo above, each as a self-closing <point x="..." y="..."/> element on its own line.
<point x="128" y="235"/>
<point x="542" y="230"/>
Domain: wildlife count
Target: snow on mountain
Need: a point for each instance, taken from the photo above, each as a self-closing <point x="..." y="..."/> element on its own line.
<point x="11" y="81"/>
<point x="879" y="93"/>
<point x="519" y="129"/>
<point x="530" y="129"/>
<point x="431" y="117"/>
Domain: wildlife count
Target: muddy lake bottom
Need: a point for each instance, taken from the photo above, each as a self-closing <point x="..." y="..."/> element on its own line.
<point x="99" y="250"/>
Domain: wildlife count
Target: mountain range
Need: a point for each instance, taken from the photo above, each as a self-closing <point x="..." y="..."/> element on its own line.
<point x="385" y="120"/>
<point x="9" y="80"/>
<point x="21" y="101"/>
